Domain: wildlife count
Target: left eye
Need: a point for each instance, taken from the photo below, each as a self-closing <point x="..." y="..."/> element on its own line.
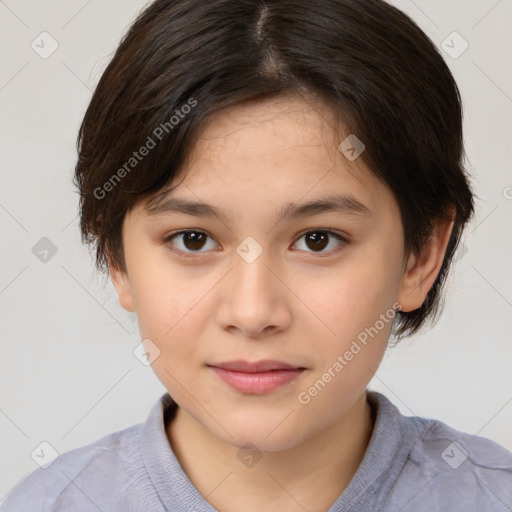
<point x="319" y="239"/>
<point x="192" y="241"/>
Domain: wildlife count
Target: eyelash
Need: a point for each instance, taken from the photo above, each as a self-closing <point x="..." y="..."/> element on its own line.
<point x="342" y="239"/>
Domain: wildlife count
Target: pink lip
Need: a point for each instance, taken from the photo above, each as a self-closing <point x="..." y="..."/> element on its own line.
<point x="256" y="378"/>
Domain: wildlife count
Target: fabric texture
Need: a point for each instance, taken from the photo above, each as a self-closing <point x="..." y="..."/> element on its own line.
<point x="411" y="464"/>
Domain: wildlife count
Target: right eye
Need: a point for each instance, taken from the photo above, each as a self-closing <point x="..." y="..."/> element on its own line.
<point x="190" y="241"/>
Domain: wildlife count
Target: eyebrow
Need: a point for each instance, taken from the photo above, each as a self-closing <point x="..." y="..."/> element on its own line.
<point x="342" y="204"/>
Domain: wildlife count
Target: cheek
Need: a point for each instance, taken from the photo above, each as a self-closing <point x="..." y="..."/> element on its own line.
<point x="353" y="299"/>
<point x="360" y="313"/>
<point x="171" y="316"/>
<point x="170" y="306"/>
<point x="164" y="290"/>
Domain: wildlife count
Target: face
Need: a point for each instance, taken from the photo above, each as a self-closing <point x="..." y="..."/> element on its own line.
<point x="312" y="292"/>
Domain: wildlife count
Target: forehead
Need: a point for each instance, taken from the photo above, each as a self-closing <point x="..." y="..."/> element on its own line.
<point x="276" y="152"/>
<point x="267" y="129"/>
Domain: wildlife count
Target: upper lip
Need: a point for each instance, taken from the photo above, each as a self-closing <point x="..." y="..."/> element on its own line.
<point x="253" y="367"/>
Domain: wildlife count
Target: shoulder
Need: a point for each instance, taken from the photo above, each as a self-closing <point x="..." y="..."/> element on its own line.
<point x="457" y="470"/>
<point x="87" y="472"/>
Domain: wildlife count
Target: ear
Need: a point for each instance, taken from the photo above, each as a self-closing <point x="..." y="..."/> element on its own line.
<point x="423" y="268"/>
<point x="122" y="284"/>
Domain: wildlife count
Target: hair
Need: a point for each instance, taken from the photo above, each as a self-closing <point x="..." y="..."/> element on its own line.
<point x="183" y="60"/>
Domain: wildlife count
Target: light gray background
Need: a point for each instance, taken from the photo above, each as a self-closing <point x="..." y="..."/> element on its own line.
<point x="68" y="374"/>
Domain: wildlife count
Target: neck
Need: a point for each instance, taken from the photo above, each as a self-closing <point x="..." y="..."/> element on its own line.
<point x="308" y="476"/>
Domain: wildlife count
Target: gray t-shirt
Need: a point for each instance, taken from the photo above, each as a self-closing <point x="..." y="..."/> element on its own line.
<point x="411" y="464"/>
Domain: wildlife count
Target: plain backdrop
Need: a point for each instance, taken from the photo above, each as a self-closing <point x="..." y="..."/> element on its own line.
<point x="67" y="369"/>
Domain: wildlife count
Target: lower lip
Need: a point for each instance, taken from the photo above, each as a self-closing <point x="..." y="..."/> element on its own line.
<point x="257" y="383"/>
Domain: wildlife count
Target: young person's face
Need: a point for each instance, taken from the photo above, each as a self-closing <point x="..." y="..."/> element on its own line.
<point x="302" y="301"/>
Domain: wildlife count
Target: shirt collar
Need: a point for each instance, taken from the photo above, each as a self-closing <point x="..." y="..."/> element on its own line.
<point x="386" y="454"/>
<point x="175" y="490"/>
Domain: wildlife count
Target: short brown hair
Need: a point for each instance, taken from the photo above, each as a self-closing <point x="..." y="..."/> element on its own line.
<point x="366" y="59"/>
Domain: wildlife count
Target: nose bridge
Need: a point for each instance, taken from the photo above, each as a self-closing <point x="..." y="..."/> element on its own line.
<point x="254" y="299"/>
<point x="252" y="278"/>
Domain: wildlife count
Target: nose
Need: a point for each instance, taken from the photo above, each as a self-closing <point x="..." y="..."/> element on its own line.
<point x="254" y="299"/>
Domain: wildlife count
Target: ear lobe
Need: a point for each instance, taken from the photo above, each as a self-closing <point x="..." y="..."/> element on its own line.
<point x="423" y="268"/>
<point x="121" y="283"/>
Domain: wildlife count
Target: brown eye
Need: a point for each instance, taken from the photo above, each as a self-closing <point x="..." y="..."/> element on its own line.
<point x="194" y="240"/>
<point x="317" y="240"/>
<point x="189" y="241"/>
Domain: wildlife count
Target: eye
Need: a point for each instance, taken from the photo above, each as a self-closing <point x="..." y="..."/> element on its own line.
<point x="317" y="240"/>
<point x="190" y="241"/>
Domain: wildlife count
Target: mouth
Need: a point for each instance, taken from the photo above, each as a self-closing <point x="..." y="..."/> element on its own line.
<point x="256" y="378"/>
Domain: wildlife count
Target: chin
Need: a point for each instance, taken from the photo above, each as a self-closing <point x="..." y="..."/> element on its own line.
<point x="269" y="433"/>
<point x="260" y="442"/>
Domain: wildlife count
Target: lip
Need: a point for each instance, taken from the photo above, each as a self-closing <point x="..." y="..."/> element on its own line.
<point x="253" y="367"/>
<point x="258" y="377"/>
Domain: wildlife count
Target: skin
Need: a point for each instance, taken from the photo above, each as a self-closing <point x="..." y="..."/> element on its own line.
<point x="291" y="304"/>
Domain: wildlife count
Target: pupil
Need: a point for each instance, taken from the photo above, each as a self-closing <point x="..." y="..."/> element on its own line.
<point x="318" y="238"/>
<point x="194" y="240"/>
